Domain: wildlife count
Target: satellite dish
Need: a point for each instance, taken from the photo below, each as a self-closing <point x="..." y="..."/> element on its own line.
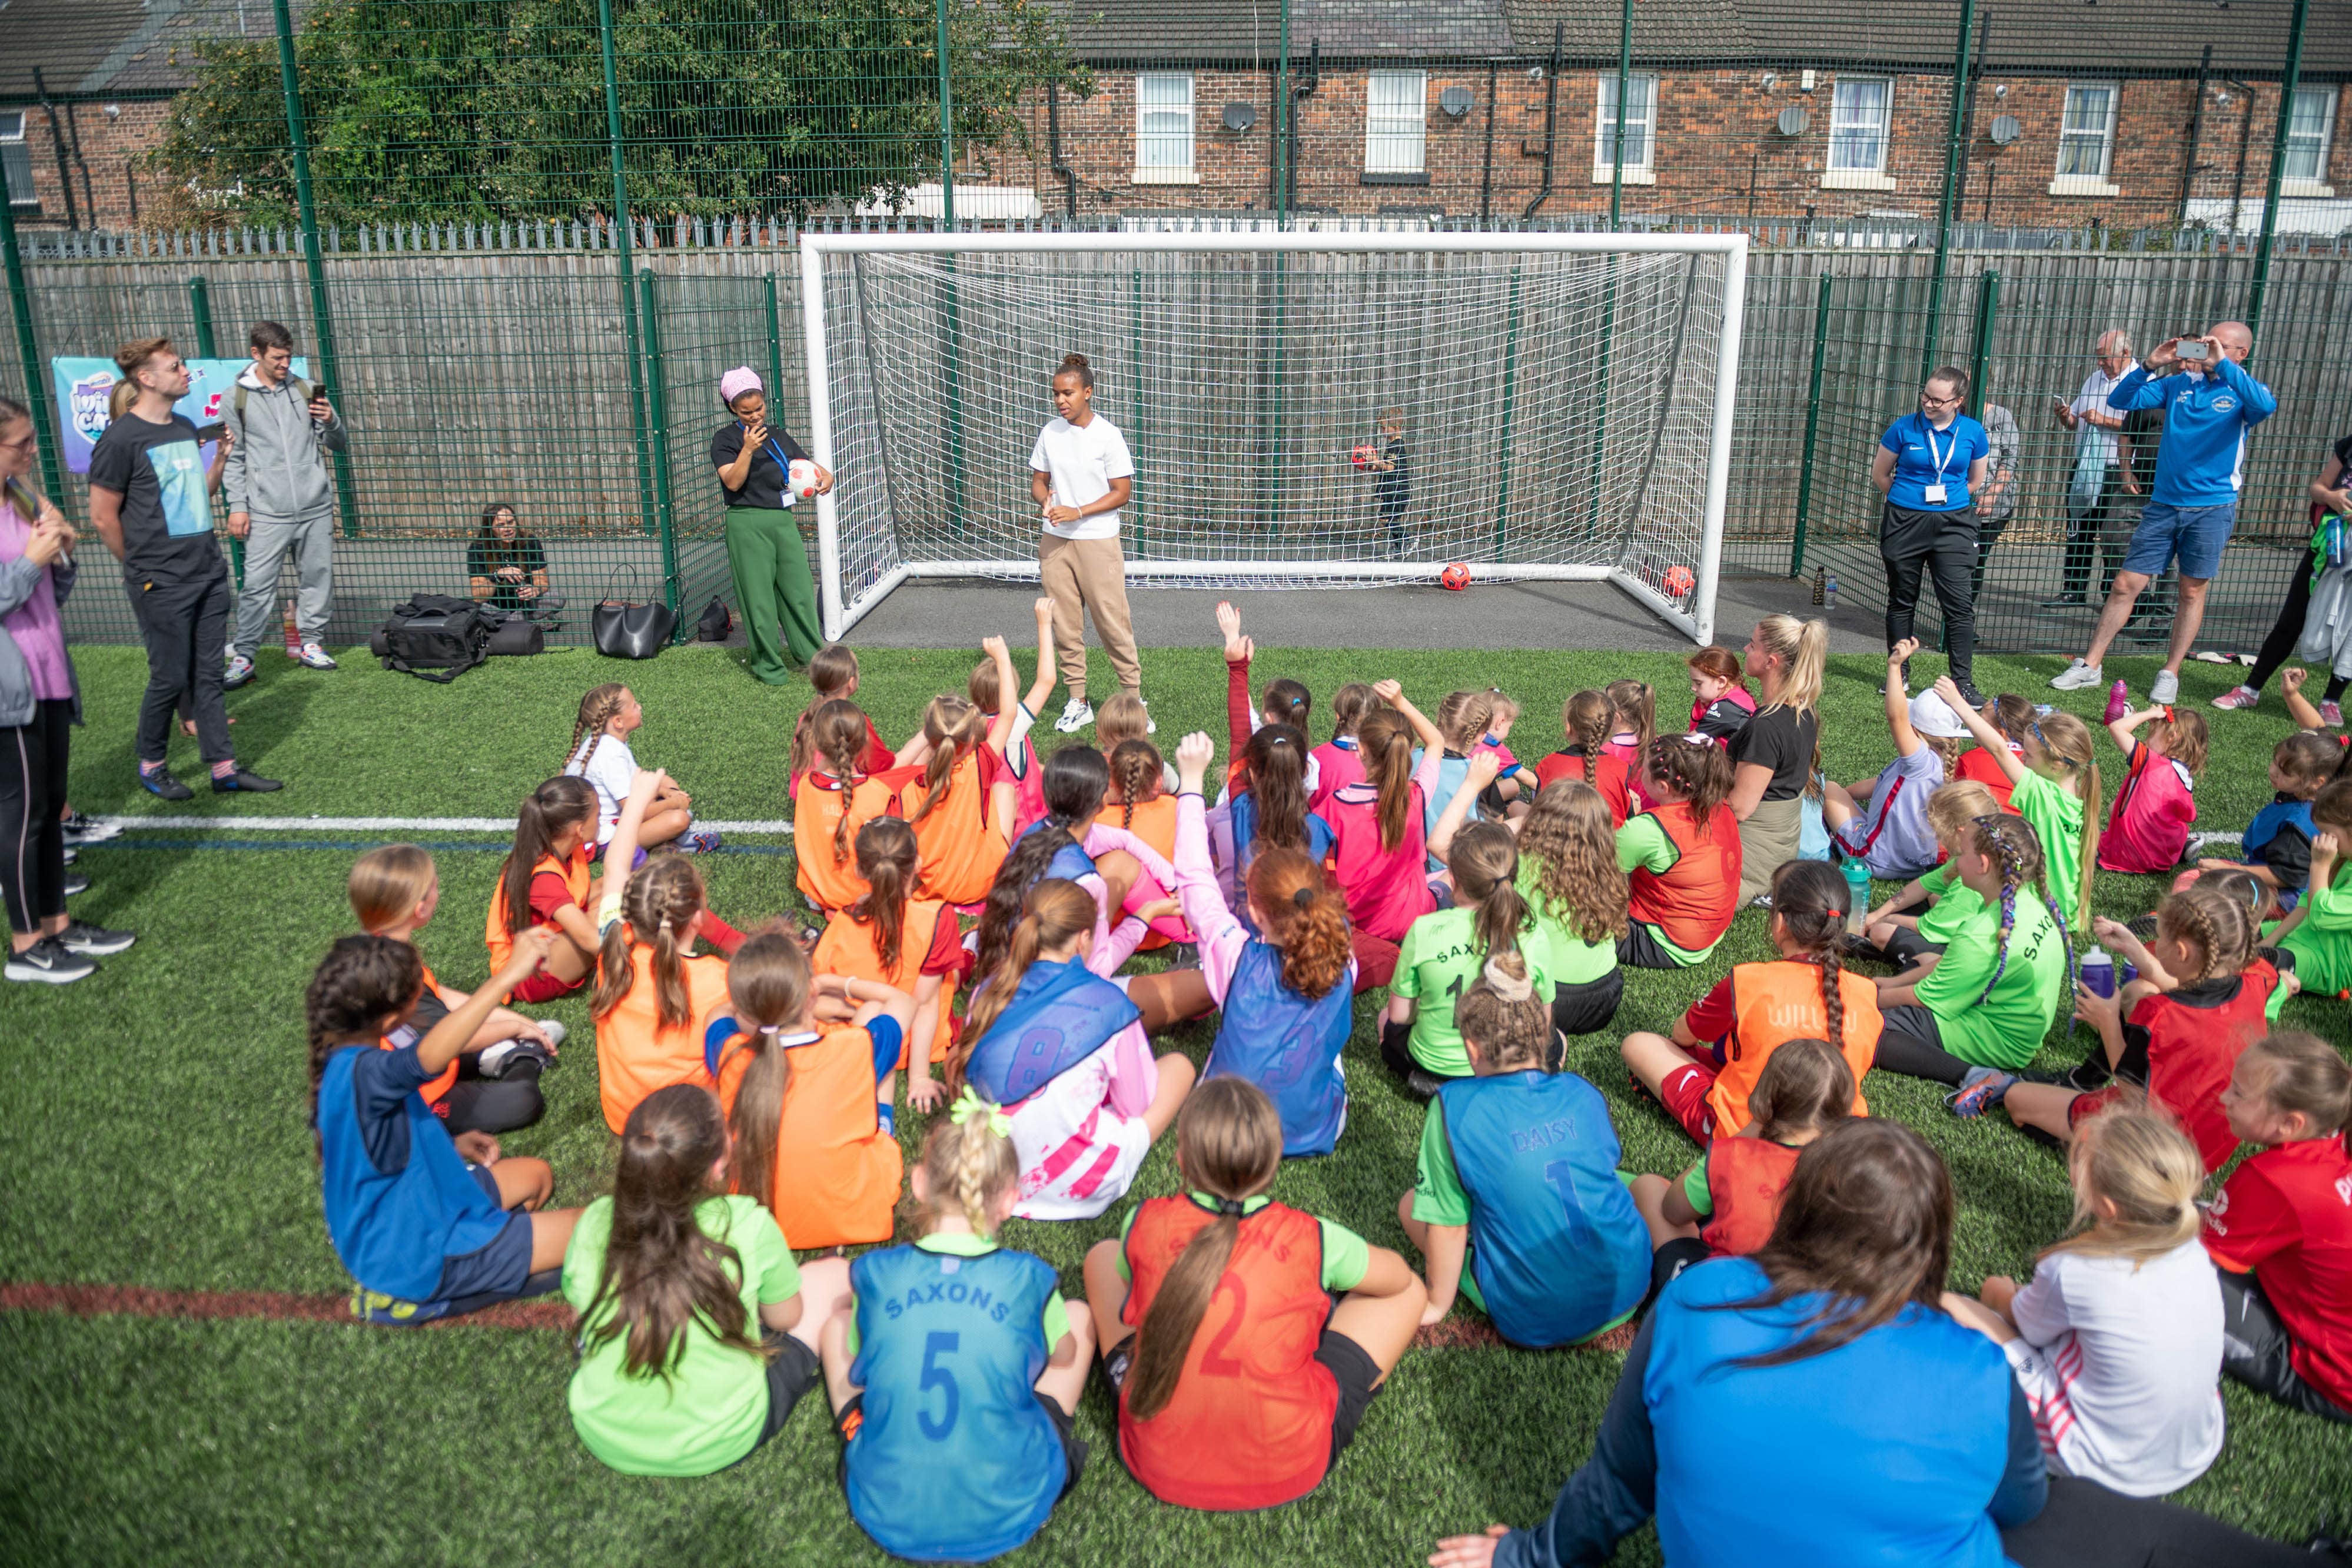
<point x="1455" y="101"/>
<point x="2006" y="129"/>
<point x="1240" y="116"/>
<point x="1793" y="120"/>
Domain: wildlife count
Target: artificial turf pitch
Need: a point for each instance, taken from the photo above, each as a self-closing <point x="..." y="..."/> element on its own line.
<point x="153" y="1138"/>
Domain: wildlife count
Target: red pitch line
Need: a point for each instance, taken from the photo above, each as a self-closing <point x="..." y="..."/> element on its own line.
<point x="545" y="1312"/>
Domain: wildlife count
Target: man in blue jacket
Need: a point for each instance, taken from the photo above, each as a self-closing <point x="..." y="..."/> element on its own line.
<point x="2210" y="402"/>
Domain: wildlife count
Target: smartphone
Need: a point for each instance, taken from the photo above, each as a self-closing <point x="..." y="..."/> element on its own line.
<point x="2191" y="350"/>
<point x="209" y="434"/>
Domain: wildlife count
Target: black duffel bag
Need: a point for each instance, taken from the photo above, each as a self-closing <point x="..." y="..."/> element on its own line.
<point x="629" y="629"/>
<point x="434" y="636"/>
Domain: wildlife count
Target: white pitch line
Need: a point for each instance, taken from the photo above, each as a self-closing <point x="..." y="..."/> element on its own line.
<point x="384" y="824"/>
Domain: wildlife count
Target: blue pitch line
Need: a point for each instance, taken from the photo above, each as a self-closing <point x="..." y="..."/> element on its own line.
<point x="281" y="844"/>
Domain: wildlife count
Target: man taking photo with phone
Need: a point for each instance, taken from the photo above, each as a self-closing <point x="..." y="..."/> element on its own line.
<point x="281" y="497"/>
<point x="2208" y="402"/>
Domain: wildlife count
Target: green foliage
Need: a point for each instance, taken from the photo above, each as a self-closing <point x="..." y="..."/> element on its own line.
<point x="423" y="110"/>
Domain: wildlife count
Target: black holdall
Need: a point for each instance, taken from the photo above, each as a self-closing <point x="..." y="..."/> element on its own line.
<point x="716" y="623"/>
<point x="515" y="636"/>
<point x="434" y="636"/>
<point x="629" y="629"/>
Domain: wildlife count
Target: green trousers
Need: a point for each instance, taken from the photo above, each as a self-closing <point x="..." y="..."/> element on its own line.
<point x="772" y="587"/>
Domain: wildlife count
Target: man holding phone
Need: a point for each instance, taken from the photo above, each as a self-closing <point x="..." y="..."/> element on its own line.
<point x="2092" y="491"/>
<point x="281" y="497"/>
<point x="2208" y="402"/>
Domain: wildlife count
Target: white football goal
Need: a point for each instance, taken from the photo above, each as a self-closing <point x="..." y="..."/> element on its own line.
<point x="1553" y="405"/>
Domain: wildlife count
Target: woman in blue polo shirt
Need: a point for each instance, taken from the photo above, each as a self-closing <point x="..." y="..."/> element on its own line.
<point x="1930" y="466"/>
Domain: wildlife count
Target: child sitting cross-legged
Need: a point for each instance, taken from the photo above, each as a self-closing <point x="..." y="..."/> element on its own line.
<point x="600" y="754"/>
<point x="1721" y="703"/>
<point x="1884" y="823"/>
<point x="2318" y="933"/>
<point x="698" y="1333"/>
<point x="1519" y="1204"/>
<point x="548" y="879"/>
<point x="1380" y="840"/>
<point x="977" y="1478"/>
<point x="1683" y="854"/>
<point x="1446" y="952"/>
<point x="1705" y="1074"/>
<point x="2056" y="787"/>
<point x="2155" y="805"/>
<point x="2116" y="1342"/>
<point x="2277" y="843"/>
<point x="905" y="942"/>
<point x="1892" y="935"/>
<point x="962" y="804"/>
<point x="1586" y="717"/>
<point x="1727" y="1203"/>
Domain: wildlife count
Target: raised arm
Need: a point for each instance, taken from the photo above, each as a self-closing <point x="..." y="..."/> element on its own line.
<point x="2120" y="730"/>
<point x="1041" y="686"/>
<point x="1898" y="702"/>
<point x="621" y="853"/>
<point x="1001" y="655"/>
<point x="2298" y="706"/>
<point x="1990" y="739"/>
<point x="1483" y="765"/>
<point x="1392" y="693"/>
<point x="1221" y="936"/>
<point x="1240" y="716"/>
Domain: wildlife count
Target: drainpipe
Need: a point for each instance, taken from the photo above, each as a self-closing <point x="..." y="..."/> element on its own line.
<point x="2245" y="139"/>
<point x="73" y="133"/>
<point x="2196" y="130"/>
<point x="1551" y="123"/>
<point x="1487" y="175"/>
<point x="65" y="168"/>
<point x="1305" y="88"/>
<point x="1068" y="176"/>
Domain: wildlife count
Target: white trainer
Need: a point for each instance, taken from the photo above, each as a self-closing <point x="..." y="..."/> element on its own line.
<point x="1077" y="714"/>
<point x="2075" y="676"/>
<point x="2166" y="690"/>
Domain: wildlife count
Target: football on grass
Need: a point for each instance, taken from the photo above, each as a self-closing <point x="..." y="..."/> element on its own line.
<point x="1457" y="577"/>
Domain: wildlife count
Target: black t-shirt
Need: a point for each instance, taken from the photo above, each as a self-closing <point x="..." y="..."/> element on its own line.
<point x="484" y="557"/>
<point x="1781" y="739"/>
<point x="2343" y="460"/>
<point x="167" y="517"/>
<point x="1392" y="486"/>
<point x="763" y="486"/>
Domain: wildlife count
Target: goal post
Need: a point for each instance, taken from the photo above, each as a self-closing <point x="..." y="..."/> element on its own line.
<point x="1562" y="404"/>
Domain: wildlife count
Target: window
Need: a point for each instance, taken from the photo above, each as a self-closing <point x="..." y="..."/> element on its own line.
<point x="1396" y="122"/>
<point x="16" y="160"/>
<point x="1861" y="108"/>
<point x="1163" y="128"/>
<point x="2086" y="140"/>
<point x="2310" y="129"/>
<point x="1641" y="123"/>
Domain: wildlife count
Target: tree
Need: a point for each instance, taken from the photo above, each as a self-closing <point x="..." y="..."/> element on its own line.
<point x="423" y="110"/>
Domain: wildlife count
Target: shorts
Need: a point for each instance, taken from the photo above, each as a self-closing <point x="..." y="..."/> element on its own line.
<point x="2084" y="1106"/>
<point x="541" y="987"/>
<point x="1641" y="948"/>
<point x="852" y="1415"/>
<point x="1668" y="1262"/>
<point x="2193" y="534"/>
<point x="1684" y="1093"/>
<point x="1589" y="1006"/>
<point x="793" y="1371"/>
<point x="1351" y="1366"/>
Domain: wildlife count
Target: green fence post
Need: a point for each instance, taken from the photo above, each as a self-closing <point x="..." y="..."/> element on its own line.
<point x="2278" y="163"/>
<point x="1281" y="122"/>
<point x="200" y="311"/>
<point x="37" y="382"/>
<point x="659" y="408"/>
<point x="947" y="127"/>
<point x="1813" y="424"/>
<point x="1624" y="74"/>
<point x="314" y="260"/>
<point x="631" y="346"/>
<point x="1988" y="308"/>
<point x="775" y="335"/>
<point x="1955" y="143"/>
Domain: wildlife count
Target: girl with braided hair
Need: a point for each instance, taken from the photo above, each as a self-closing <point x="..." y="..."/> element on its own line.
<point x="600" y="754"/>
<point x="1988" y="999"/>
<point x="1705" y="1073"/>
<point x="1684" y="854"/>
<point x="1142" y="801"/>
<point x="971" y="1484"/>
<point x="962" y="806"/>
<point x="836" y="796"/>
<point x="2054" y="783"/>
<point x="1586" y="718"/>
<point x="2176" y="1033"/>
<point x="655" y="994"/>
<point x="898" y="939"/>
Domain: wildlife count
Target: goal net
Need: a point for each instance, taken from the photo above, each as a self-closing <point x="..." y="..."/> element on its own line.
<point x="1555" y="405"/>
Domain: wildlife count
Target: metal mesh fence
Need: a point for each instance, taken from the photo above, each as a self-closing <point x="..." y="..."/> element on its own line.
<point x="519" y="241"/>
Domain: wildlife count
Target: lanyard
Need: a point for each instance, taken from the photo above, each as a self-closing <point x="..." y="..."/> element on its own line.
<point x="784" y="464"/>
<point x="1927" y="432"/>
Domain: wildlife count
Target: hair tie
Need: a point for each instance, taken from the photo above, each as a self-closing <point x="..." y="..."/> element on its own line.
<point x="1508" y="986"/>
<point x="771" y="1030"/>
<point x="1229" y="1208"/>
<point x="970" y="1105"/>
<point x="1304" y="898"/>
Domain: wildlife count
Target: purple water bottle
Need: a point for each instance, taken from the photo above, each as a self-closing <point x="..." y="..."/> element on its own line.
<point x="2098" y="972"/>
<point x="2118" y="701"/>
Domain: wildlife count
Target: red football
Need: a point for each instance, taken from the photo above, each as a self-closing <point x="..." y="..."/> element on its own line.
<point x="1679" y="581"/>
<point x="1362" y="456"/>
<point x="1457" y="577"/>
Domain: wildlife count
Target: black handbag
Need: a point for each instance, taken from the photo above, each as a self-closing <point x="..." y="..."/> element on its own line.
<point x="716" y="623"/>
<point x="623" y="629"/>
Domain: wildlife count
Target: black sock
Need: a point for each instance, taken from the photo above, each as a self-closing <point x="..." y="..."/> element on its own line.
<point x="2336" y="685"/>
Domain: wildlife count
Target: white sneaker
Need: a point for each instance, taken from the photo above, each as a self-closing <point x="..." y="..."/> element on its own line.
<point x="237" y="672"/>
<point x="315" y="657"/>
<point x="2075" y="676"/>
<point x="1150" y="726"/>
<point x="1077" y="714"/>
<point x="2167" y="687"/>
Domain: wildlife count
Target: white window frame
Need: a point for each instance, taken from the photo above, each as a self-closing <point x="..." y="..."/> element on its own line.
<point x="1857" y="178"/>
<point x="1641" y="128"/>
<point x="1155" y="162"/>
<point x="1395" y="130"/>
<point x="2315" y="184"/>
<point x="2080" y="181"/>
<point x="20" y="145"/>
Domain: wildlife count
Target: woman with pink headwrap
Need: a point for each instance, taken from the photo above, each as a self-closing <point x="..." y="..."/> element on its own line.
<point x="766" y="554"/>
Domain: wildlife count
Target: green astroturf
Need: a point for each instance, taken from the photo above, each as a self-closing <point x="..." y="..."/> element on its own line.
<point x="152" y="1134"/>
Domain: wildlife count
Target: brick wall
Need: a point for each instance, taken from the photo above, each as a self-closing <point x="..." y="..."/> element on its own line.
<point x="111" y="174"/>
<point x="1717" y="154"/>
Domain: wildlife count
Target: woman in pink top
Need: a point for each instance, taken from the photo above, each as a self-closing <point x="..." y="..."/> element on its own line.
<point x="39" y="703"/>
<point x="1380" y="843"/>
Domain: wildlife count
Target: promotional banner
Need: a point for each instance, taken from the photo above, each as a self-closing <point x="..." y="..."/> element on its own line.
<point x="84" y="384"/>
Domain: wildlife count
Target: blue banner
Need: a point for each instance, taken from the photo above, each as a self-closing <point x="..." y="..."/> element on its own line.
<point x="84" y="384"/>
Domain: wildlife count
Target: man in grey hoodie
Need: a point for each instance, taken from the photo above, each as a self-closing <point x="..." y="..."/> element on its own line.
<point x="281" y="496"/>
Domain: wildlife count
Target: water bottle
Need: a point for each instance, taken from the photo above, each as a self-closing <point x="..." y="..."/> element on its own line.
<point x="2118" y="701"/>
<point x="1820" y="573"/>
<point x="1857" y="895"/>
<point x="2098" y="972"/>
<point x="2129" y="973"/>
<point x="1829" y="592"/>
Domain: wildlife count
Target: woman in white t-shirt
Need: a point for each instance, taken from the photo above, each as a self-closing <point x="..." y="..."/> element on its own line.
<point x="600" y="754"/>
<point x="1079" y="476"/>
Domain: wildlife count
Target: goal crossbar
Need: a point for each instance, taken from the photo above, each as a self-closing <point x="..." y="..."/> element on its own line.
<point x="1694" y="614"/>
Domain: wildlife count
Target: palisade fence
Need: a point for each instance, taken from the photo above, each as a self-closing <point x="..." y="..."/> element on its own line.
<point x="504" y="319"/>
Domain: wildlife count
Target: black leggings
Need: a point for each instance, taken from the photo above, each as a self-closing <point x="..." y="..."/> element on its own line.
<point x="479" y="1104"/>
<point x="2287" y="631"/>
<point x="2084" y="1525"/>
<point x="32" y="795"/>
<point x="2256" y="1347"/>
<point x="1910" y="1044"/>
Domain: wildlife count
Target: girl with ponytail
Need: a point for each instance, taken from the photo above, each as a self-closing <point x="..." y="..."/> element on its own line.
<point x="1683" y="855"/>
<point x="2055" y="785"/>
<point x="1988" y="1000"/>
<point x="1337" y="762"/>
<point x="978" y="1485"/>
<point x="1379" y="834"/>
<point x="1773" y="756"/>
<point x="1239" y="1382"/>
<point x="1707" y="1073"/>
<point x="962" y="806"/>
<point x="1282" y="982"/>
<point x="1268" y="803"/>
<point x="909" y="944"/>
<point x="1087" y="1103"/>
<point x="803" y="1064"/>
<point x="1142" y="801"/>
<point x="547" y="879"/>
<point x="1011" y="715"/>
<point x="1446" y="952"/>
<point x="697" y="1332"/>
<point x="832" y="676"/>
<point x="835" y="797"/>
<point x="655" y="994"/>
<point x="1556" y="1251"/>
<point x="1585" y="718"/>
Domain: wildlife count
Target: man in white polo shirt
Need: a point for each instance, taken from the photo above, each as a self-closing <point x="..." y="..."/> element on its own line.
<point x="1080" y="475"/>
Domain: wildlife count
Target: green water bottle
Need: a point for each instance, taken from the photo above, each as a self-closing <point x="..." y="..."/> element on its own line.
<point x="1857" y="895"/>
